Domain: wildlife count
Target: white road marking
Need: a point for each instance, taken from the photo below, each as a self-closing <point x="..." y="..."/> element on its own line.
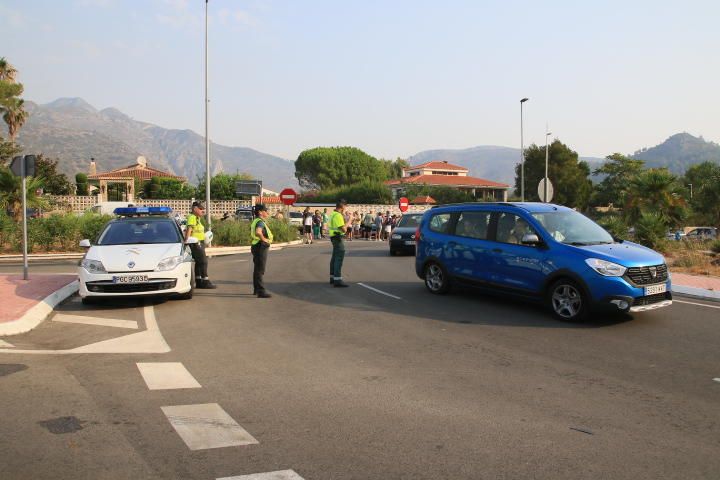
<point x="149" y="341"/>
<point x="206" y="426"/>
<point x="279" y="475"/>
<point x="103" y="322"/>
<point x="5" y="344"/>
<point x="380" y="291"/>
<point x="167" y="376"/>
<point x="716" y="380"/>
<point x="698" y="304"/>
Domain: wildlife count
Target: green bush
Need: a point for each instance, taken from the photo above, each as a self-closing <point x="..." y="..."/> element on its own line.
<point x="362" y="192"/>
<point x="91" y="224"/>
<point x="615" y="226"/>
<point x="715" y="246"/>
<point x="7" y="228"/>
<point x="650" y="230"/>
<point x="231" y="233"/>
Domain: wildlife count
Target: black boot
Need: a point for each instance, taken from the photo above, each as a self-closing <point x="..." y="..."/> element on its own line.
<point x="340" y="284"/>
<point x="206" y="284"/>
<point x="264" y="295"/>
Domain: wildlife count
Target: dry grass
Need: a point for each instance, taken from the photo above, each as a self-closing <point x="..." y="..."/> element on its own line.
<point x="694" y="258"/>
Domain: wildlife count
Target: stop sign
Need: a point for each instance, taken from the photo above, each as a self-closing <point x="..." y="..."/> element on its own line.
<point x="288" y="196"/>
<point x="403" y="203"/>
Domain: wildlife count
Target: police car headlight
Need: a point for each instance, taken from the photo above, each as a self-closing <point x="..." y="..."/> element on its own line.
<point x="396" y="237"/>
<point x="168" y="263"/>
<point x="93" y="266"/>
<point x="603" y="267"/>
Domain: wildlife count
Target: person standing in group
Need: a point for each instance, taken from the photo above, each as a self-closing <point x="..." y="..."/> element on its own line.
<point x="262" y="238"/>
<point x="367" y="223"/>
<point x="195" y="228"/>
<point x="347" y="216"/>
<point x="356" y="225"/>
<point x="379" y="226"/>
<point x="336" y="230"/>
<point x="317" y="224"/>
<point x="307" y="225"/>
<point x="324" y="226"/>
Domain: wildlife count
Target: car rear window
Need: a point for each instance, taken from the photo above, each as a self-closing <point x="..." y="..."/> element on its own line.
<point x="409" y="221"/>
<point x="440" y="222"/>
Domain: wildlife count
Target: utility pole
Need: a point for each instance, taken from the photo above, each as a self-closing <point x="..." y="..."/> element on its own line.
<point x="545" y="183"/>
<point x="522" y="153"/>
<point x="207" y="139"/>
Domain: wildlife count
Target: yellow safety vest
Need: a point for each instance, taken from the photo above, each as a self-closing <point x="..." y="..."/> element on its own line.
<point x="253" y="233"/>
<point x="198" y="229"/>
<point x="337" y="221"/>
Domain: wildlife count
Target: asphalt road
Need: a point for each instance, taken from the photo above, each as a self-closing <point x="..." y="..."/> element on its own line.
<point x="355" y="384"/>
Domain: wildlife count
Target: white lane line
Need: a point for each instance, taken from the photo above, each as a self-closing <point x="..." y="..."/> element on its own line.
<point x="100" y="321"/>
<point x="698" y="304"/>
<point x="380" y="291"/>
<point x="5" y="344"/>
<point x="206" y="426"/>
<point x="167" y="376"/>
<point x="279" y="475"/>
<point x="716" y="380"/>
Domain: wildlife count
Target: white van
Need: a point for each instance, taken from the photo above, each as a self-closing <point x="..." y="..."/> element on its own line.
<point x="108" y="208"/>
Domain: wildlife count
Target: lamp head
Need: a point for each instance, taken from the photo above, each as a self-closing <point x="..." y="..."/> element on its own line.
<point x="524" y="100"/>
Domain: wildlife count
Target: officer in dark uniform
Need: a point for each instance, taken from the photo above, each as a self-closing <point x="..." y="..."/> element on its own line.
<point x="262" y="238"/>
<point x="195" y="228"/>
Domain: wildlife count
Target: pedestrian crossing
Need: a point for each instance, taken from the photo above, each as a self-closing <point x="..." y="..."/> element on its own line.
<point x="167" y="376"/>
<point x="279" y="475"/>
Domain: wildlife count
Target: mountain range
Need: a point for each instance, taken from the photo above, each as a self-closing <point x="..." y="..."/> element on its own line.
<point x="73" y="131"/>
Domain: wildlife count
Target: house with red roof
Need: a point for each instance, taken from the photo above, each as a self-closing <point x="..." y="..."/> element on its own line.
<point x="119" y="184"/>
<point x="444" y="174"/>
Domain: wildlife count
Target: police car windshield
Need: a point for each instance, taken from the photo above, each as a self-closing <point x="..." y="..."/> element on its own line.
<point x="410" y="221"/>
<point x="573" y="228"/>
<point x="140" y="231"/>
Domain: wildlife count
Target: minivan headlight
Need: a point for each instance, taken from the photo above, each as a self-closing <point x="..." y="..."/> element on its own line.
<point x="603" y="267"/>
<point x="93" y="266"/>
<point x="168" y="263"/>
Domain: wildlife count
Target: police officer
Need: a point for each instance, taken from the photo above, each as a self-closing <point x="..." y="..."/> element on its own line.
<point x="336" y="230"/>
<point x="262" y="237"/>
<point x="195" y="228"/>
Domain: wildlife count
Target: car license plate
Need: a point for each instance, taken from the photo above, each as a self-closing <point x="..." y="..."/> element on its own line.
<point x="131" y="279"/>
<point x="410" y="242"/>
<point x="655" y="289"/>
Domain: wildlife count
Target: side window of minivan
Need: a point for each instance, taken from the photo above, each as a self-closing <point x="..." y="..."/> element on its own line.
<point x="440" y="223"/>
<point x="473" y="225"/>
<point x="511" y="228"/>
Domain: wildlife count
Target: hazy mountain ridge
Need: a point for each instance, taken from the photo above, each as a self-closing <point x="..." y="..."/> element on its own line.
<point x="73" y="131"/>
<point x="679" y="152"/>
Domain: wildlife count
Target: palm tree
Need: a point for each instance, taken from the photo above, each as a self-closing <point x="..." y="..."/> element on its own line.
<point x="7" y="71"/>
<point x="11" y="193"/>
<point x="14" y="115"/>
<point x="656" y="190"/>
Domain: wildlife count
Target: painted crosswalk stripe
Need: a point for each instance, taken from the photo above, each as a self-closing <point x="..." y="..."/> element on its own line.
<point x="379" y="291"/>
<point x="167" y="376"/>
<point x="100" y="321"/>
<point x="206" y="426"/>
<point x="279" y="475"/>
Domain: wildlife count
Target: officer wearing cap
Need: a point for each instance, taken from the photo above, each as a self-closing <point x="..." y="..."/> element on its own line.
<point x="262" y="237"/>
<point x="336" y="230"/>
<point x="196" y="229"/>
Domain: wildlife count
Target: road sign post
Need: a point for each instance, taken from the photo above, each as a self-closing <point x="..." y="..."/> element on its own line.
<point x="545" y="187"/>
<point x="403" y="204"/>
<point x="22" y="167"/>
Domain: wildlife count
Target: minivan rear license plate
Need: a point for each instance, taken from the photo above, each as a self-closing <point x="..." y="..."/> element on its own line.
<point x="131" y="279"/>
<point x="655" y="289"/>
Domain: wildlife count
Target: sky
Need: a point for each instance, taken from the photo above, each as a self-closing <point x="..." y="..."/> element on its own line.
<point x="392" y="77"/>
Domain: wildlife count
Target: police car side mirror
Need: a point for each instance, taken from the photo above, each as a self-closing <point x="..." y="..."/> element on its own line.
<point x="85" y="243"/>
<point x="530" y="239"/>
<point x="191" y="240"/>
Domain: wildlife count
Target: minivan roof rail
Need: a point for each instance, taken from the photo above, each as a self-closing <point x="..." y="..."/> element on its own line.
<point x="509" y="204"/>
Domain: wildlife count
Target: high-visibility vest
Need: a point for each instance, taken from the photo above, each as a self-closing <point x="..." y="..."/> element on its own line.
<point x="198" y="229"/>
<point x="253" y="233"/>
<point x="337" y="221"/>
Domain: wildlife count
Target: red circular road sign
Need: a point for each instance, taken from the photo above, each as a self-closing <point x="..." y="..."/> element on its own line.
<point x="288" y="196"/>
<point x="403" y="203"/>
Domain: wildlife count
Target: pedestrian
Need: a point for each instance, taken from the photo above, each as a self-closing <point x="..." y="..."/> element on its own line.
<point x="317" y="224"/>
<point x="195" y="228"/>
<point x="367" y="223"/>
<point x="307" y="225"/>
<point x="262" y="238"/>
<point x="347" y="217"/>
<point x="379" y="225"/>
<point x="356" y="225"/>
<point x="324" y="226"/>
<point x="336" y="230"/>
<point x="387" y="226"/>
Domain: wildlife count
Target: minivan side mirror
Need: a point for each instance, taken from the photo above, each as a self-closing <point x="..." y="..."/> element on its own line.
<point x="191" y="240"/>
<point x="85" y="243"/>
<point x="530" y="239"/>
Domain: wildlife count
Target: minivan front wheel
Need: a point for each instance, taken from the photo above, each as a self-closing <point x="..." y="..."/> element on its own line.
<point x="568" y="301"/>
<point x="436" y="278"/>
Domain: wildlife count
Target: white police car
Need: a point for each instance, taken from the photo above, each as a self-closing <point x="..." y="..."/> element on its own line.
<point x="141" y="252"/>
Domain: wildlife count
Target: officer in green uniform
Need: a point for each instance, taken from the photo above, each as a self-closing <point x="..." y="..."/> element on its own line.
<point x="195" y="228"/>
<point x="336" y="230"/>
<point x="262" y="237"/>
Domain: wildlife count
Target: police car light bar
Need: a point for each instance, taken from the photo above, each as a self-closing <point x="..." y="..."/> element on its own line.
<point x="130" y="211"/>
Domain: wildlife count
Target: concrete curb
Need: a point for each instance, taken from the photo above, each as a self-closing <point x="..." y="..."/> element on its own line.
<point x="37" y="314"/>
<point x="696" y="292"/>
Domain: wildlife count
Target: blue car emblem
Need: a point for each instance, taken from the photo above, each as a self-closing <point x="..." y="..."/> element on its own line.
<point x="131" y="264"/>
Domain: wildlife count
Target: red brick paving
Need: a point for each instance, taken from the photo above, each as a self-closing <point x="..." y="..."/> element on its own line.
<point x="18" y="295"/>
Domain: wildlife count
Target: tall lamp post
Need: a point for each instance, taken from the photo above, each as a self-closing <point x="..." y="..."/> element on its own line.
<point x="207" y="139"/>
<point x="545" y="183"/>
<point x="690" y="185"/>
<point x="522" y="153"/>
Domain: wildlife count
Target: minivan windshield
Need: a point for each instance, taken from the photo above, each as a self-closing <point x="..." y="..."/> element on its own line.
<point x="410" y="221"/>
<point x="573" y="228"/>
<point x="139" y="231"/>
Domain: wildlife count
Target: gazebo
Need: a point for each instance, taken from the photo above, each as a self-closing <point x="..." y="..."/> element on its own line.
<point x="119" y="184"/>
<point x="423" y="200"/>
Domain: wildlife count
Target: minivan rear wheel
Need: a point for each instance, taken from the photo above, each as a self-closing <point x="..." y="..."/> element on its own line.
<point x="436" y="278"/>
<point x="568" y="301"/>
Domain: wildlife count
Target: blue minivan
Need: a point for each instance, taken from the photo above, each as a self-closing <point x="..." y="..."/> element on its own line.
<point x="542" y="252"/>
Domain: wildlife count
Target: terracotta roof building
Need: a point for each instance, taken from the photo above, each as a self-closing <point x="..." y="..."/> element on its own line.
<point x="119" y="184"/>
<point x="444" y="174"/>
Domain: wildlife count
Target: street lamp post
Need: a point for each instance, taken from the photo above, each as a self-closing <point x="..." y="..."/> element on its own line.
<point x="545" y="183"/>
<point x="522" y="153"/>
<point x="207" y="139"/>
